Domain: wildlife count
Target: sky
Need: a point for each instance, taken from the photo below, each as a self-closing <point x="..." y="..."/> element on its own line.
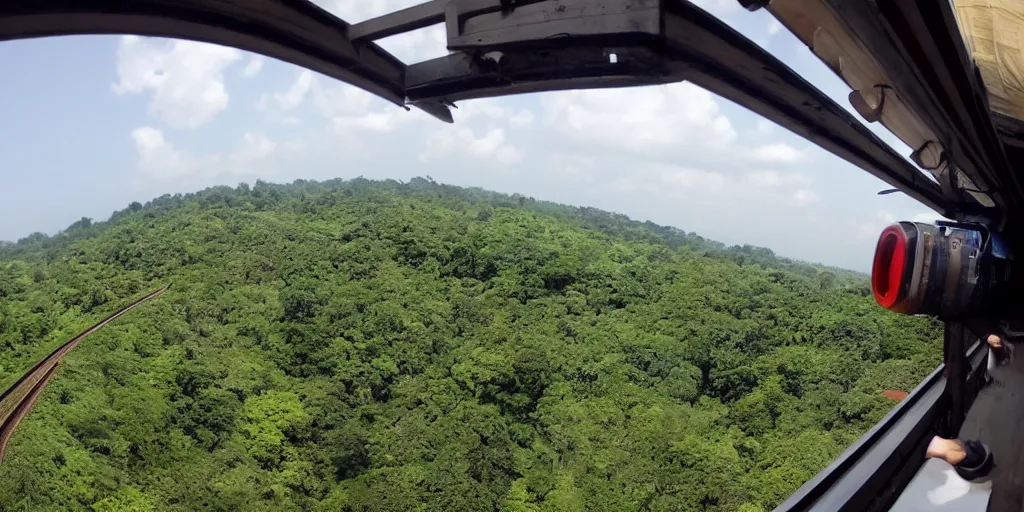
<point x="89" y="124"/>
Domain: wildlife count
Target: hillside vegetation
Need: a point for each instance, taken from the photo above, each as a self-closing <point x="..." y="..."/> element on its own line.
<point x="377" y="346"/>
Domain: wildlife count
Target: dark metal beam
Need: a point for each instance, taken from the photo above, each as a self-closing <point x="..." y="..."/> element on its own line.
<point x="693" y="46"/>
<point x="732" y="66"/>
<point x="919" y="46"/>
<point x="294" y="31"/>
<point x="432" y="12"/>
<point x="937" y="46"/>
<point x="510" y="47"/>
<point x="543" y="24"/>
<point x="954" y="348"/>
<point x="462" y="76"/>
<point x="412" y="18"/>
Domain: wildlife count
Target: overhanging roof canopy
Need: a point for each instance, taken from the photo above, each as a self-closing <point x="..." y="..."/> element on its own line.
<point x="502" y="47"/>
<point x="910" y="70"/>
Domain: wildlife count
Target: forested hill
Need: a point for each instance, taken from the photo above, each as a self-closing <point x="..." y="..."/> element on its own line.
<point x="377" y="346"/>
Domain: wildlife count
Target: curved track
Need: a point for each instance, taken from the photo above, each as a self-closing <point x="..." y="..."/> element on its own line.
<point x="17" y="401"/>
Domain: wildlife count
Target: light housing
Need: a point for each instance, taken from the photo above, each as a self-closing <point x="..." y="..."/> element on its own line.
<point x="949" y="270"/>
<point x="890" y="266"/>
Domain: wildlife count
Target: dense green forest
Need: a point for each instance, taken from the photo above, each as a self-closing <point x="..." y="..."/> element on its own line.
<point x="380" y="346"/>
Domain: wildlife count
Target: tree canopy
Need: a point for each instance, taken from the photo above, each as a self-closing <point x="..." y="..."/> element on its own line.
<point x="376" y="346"/>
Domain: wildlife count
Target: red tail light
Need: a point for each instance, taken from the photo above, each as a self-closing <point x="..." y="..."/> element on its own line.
<point x="948" y="270"/>
<point x="888" y="271"/>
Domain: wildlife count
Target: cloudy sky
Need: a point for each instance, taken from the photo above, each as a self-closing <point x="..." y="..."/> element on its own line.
<point x="89" y="124"/>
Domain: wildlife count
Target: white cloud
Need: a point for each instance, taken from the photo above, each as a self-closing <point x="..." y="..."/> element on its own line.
<point x="185" y="78"/>
<point x="483" y="128"/>
<point x="774" y="179"/>
<point x="489" y="145"/>
<point x="493" y="111"/>
<point x="333" y="99"/>
<point x="753" y="189"/>
<point x="775" y="185"/>
<point x="774" y="28"/>
<point x="651" y="122"/>
<point x="355" y="116"/>
<point x="482" y="131"/>
<point x="719" y="8"/>
<point x="669" y="124"/>
<point x="158" y="158"/>
<point x="160" y="161"/>
<point x="280" y="105"/>
<point x="695" y="181"/>
<point x="253" y="67"/>
<point x="521" y="119"/>
<point x="804" y="197"/>
<point x="418" y="45"/>
<point x="294" y="145"/>
<point x="765" y="127"/>
<point x="354" y="11"/>
<point x="870" y="228"/>
<point x="295" y="94"/>
<point x="378" y="122"/>
<point x="927" y="217"/>
<point x="255" y="147"/>
<point x="631" y="185"/>
<point x="574" y="167"/>
<point x="778" y="153"/>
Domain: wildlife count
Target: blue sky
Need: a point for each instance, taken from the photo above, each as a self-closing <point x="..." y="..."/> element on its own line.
<point x="92" y="123"/>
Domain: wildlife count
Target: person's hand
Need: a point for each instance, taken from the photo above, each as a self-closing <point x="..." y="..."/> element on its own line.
<point x="995" y="342"/>
<point x="1000" y="351"/>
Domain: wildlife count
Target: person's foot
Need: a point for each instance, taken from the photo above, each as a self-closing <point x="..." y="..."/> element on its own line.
<point x="971" y="459"/>
<point x="949" y="450"/>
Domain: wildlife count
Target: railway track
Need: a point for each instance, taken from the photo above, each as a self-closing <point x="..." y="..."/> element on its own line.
<point x="18" y="400"/>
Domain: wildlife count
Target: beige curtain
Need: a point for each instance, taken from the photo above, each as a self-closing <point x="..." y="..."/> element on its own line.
<point x="994" y="33"/>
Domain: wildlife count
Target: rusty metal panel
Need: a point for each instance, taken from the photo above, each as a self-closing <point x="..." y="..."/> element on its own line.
<point x="549" y="21"/>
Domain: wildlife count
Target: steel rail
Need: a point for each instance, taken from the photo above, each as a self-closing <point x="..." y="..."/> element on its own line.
<point x="18" y="399"/>
<point x="22" y="409"/>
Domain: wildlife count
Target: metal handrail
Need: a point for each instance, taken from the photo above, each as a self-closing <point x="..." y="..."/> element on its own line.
<point x="862" y="477"/>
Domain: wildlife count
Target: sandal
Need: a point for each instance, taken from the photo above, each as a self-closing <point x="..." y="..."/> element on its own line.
<point x="977" y="463"/>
